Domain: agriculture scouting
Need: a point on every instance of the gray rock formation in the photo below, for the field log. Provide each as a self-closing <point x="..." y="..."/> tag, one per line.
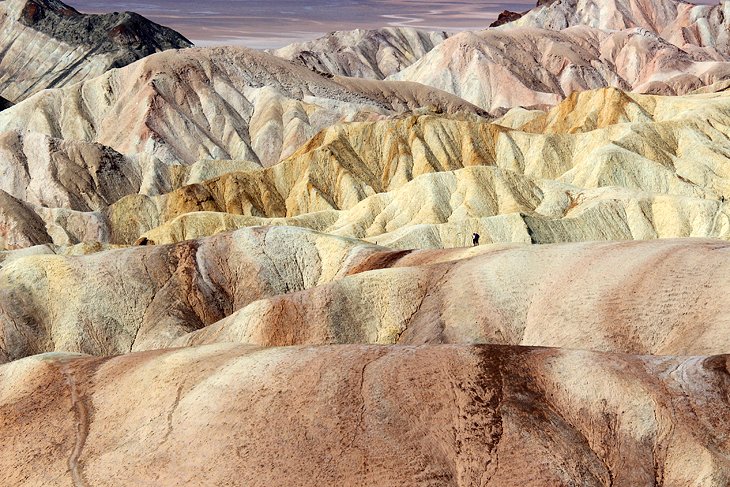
<point x="46" y="44"/>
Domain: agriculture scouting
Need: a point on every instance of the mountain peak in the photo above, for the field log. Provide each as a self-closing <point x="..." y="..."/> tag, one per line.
<point x="105" y="32"/>
<point x="48" y="44"/>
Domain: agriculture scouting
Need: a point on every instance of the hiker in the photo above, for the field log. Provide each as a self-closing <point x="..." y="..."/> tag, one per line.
<point x="475" y="239"/>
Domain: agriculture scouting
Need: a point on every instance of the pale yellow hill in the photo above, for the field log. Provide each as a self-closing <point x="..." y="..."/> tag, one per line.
<point x="601" y="165"/>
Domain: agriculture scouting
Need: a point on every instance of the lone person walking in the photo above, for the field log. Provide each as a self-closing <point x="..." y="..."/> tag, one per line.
<point x="475" y="239"/>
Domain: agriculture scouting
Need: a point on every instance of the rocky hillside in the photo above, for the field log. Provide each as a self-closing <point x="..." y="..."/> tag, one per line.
<point x="222" y="103"/>
<point x="542" y="67"/>
<point x="46" y="44"/>
<point x="560" y="47"/>
<point x="245" y="287"/>
<point x="602" y="165"/>
<point x="696" y="29"/>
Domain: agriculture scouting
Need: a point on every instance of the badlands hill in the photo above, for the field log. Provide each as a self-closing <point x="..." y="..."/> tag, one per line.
<point x="668" y="47"/>
<point x="215" y="103"/>
<point x="698" y="29"/>
<point x="542" y="67"/>
<point x="371" y="54"/>
<point x="45" y="44"/>
<point x="602" y="165"/>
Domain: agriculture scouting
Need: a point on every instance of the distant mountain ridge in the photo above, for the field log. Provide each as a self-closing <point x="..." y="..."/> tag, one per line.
<point x="106" y="32"/>
<point x="681" y="23"/>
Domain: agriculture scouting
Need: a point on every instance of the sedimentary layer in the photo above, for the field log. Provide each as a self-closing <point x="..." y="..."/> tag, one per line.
<point x="541" y="67"/>
<point x="371" y="54"/>
<point x="216" y="103"/>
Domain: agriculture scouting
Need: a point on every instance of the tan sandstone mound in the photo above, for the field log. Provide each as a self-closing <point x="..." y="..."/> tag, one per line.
<point x="599" y="296"/>
<point x="435" y="415"/>
<point x="146" y="296"/>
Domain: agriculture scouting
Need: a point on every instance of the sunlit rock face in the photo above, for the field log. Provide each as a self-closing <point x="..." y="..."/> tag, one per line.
<point x="529" y="67"/>
<point x="601" y="165"/>
<point x="246" y="287"/>
<point x="461" y="415"/>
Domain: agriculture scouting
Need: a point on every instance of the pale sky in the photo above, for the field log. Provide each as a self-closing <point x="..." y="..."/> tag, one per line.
<point x="274" y="23"/>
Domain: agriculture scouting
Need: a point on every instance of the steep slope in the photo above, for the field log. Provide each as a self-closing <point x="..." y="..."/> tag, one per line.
<point x="285" y="286"/>
<point x="45" y="44"/>
<point x="633" y="174"/>
<point x="371" y="54"/>
<point x="20" y="225"/>
<point x="222" y="103"/>
<point x="541" y="67"/>
<point x="461" y="416"/>
<point x="4" y="104"/>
